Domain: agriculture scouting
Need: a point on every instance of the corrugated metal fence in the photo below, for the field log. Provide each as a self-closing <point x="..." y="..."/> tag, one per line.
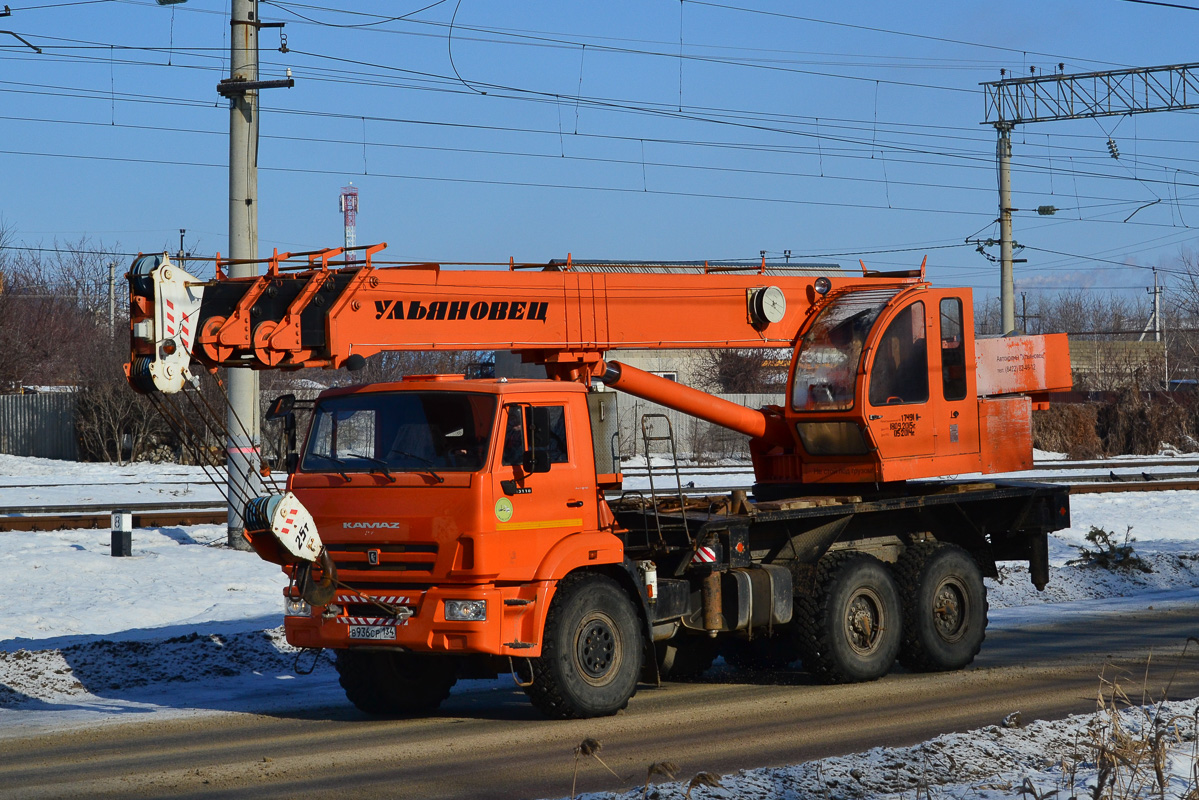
<point x="694" y="438"/>
<point x="41" y="425"/>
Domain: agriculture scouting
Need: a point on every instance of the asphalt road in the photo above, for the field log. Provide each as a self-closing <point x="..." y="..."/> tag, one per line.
<point x="491" y="744"/>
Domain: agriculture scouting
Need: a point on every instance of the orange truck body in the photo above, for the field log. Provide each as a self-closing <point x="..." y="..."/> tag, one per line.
<point x="476" y="520"/>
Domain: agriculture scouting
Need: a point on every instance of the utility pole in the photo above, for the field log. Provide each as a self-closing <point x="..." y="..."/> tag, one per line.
<point x="1157" y="309"/>
<point x="112" y="298"/>
<point x="1155" y="319"/>
<point x="1007" y="284"/>
<point x="242" y="87"/>
<point x="1024" y="317"/>
<point x="242" y="455"/>
<point x="1156" y="322"/>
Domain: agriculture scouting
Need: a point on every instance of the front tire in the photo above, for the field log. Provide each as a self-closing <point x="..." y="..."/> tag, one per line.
<point x="395" y="684"/>
<point x="591" y="652"/>
<point x="850" y="626"/>
<point x="945" y="607"/>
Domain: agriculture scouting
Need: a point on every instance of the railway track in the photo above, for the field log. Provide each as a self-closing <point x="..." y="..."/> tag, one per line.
<point x="145" y="515"/>
<point x="161" y="515"/>
<point x="1120" y="466"/>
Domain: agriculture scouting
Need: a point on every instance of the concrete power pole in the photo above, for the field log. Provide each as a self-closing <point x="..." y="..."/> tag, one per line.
<point x="242" y="420"/>
<point x="1007" y="285"/>
<point x="242" y="87"/>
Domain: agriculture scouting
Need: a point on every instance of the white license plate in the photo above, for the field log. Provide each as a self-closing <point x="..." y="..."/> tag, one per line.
<point x="372" y="632"/>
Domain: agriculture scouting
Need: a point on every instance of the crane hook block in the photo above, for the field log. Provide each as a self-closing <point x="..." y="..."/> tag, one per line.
<point x="288" y="522"/>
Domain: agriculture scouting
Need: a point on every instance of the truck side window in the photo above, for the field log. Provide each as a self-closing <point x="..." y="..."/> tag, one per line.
<point x="554" y="436"/>
<point x="953" y="351"/>
<point x="900" y="372"/>
<point x="549" y="433"/>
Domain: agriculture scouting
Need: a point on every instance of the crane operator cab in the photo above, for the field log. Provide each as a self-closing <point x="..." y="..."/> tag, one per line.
<point x="883" y="387"/>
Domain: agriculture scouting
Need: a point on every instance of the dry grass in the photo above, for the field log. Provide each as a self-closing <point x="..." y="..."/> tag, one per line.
<point x="1130" y="745"/>
<point x="1127" y="424"/>
<point x="1132" y="425"/>
<point x="1068" y="428"/>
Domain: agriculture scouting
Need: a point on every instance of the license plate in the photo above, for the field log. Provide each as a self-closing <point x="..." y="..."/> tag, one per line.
<point x="372" y="632"/>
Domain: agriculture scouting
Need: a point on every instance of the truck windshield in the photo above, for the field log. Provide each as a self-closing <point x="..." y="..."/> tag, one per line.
<point x="401" y="432"/>
<point x="827" y="362"/>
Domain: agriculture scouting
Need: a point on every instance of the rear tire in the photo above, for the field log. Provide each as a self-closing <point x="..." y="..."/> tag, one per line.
<point x="945" y="607"/>
<point x="395" y="684"/>
<point x="591" y="652"/>
<point x="850" y="626"/>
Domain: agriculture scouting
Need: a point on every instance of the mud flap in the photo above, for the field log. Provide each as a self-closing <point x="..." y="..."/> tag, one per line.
<point x="649" y="659"/>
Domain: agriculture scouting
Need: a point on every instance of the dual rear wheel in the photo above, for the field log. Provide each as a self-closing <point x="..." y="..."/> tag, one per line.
<point x="928" y="610"/>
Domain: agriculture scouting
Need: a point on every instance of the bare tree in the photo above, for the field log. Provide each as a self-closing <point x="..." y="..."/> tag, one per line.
<point x="744" y="371"/>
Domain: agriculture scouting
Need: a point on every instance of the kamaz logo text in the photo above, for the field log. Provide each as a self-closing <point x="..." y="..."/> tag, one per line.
<point x="462" y="309"/>
<point x="370" y="525"/>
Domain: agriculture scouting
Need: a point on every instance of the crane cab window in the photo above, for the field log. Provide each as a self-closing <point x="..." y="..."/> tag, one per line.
<point x="953" y="350"/>
<point x="826" y="361"/>
<point x="547" y="424"/>
<point x="899" y="375"/>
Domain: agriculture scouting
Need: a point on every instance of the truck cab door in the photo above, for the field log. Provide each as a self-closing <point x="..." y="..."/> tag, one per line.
<point x="956" y="420"/>
<point x="897" y="396"/>
<point x="543" y="481"/>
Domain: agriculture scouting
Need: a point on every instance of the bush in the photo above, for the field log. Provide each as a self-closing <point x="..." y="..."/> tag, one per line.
<point x="1131" y="424"/>
<point x="1110" y="554"/>
<point x="1068" y="428"/>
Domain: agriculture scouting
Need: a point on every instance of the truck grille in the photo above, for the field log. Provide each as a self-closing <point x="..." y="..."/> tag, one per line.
<point x="394" y="563"/>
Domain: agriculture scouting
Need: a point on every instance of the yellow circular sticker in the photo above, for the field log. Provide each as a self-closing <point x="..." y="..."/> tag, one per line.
<point x="503" y="509"/>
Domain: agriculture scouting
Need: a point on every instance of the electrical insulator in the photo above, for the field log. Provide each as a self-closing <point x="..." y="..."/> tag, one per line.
<point x="1046" y="211"/>
<point x="1112" y="149"/>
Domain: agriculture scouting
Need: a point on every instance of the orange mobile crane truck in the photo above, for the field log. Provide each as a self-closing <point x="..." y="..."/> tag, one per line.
<point x="472" y="527"/>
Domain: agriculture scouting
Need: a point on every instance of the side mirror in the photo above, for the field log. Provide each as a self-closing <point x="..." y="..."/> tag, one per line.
<point x="536" y="461"/>
<point x="281" y="409"/>
<point x="281" y="406"/>
<point x="537" y="425"/>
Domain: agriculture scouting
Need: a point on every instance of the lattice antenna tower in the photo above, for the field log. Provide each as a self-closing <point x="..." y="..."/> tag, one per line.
<point x="349" y="212"/>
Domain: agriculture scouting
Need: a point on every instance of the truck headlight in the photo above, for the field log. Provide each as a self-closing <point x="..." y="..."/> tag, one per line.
<point x="296" y="607"/>
<point x="466" y="610"/>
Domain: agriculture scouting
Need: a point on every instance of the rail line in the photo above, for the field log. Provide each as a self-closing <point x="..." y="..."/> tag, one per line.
<point x="163" y="515"/>
<point x="1044" y="466"/>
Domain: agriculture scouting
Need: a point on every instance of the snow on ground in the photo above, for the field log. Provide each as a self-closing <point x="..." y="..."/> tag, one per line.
<point x="1058" y="758"/>
<point x="47" y="482"/>
<point x="186" y="626"/>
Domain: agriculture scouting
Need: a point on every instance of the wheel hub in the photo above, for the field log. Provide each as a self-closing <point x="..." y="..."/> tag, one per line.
<point x="950" y="610"/>
<point x="596" y="648"/>
<point x="864" y="622"/>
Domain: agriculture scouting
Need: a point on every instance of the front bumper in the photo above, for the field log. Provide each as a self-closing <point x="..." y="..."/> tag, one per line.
<point x="515" y="615"/>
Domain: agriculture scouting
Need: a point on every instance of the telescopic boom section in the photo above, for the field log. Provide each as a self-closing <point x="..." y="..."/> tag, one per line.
<point x="324" y="313"/>
<point x="768" y="427"/>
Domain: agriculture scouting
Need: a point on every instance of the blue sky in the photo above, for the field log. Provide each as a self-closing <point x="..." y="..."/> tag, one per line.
<point x="835" y="131"/>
